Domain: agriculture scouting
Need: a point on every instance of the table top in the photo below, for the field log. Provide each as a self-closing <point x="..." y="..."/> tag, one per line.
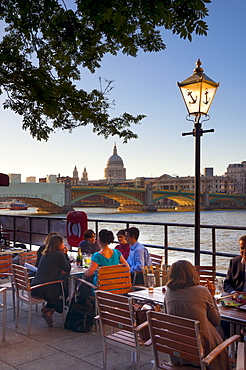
<point x="12" y="251"/>
<point x="157" y="296"/>
<point x="77" y="270"/>
<point x="231" y="314"/>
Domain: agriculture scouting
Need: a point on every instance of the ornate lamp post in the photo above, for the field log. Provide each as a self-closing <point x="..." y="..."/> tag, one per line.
<point x="198" y="92"/>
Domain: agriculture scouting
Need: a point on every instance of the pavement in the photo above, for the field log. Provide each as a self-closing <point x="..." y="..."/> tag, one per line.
<point x="55" y="347"/>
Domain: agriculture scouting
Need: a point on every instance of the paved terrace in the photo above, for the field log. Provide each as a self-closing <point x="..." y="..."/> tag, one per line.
<point x="58" y="348"/>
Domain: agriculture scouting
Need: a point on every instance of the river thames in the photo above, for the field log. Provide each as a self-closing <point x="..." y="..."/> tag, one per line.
<point x="226" y="240"/>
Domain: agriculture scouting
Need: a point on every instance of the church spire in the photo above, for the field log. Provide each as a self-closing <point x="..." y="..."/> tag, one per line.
<point x="115" y="149"/>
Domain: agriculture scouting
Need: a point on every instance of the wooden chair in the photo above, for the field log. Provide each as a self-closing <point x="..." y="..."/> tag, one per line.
<point x="23" y="293"/>
<point x="206" y="273"/>
<point x="181" y="338"/>
<point x="156" y="259"/>
<point x="117" y="312"/>
<point x="6" y="261"/>
<point x="160" y="272"/>
<point x="28" y="257"/>
<point x="241" y="356"/>
<point x="116" y="279"/>
<point x="4" y="306"/>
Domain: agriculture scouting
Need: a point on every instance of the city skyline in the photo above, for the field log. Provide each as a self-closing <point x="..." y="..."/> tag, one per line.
<point x="147" y="85"/>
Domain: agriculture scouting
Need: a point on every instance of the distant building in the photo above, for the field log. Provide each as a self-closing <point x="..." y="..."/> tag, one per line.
<point x="31" y="179"/>
<point x="115" y="167"/>
<point x="236" y="174"/>
<point x="84" y="177"/>
<point x="14" y="177"/>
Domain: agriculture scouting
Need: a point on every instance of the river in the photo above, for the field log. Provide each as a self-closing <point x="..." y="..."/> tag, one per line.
<point x="226" y="240"/>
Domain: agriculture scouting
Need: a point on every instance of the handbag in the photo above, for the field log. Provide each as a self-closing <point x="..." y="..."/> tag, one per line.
<point x="141" y="316"/>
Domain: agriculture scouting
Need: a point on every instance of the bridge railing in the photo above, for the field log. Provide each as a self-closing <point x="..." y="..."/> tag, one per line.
<point x="32" y="231"/>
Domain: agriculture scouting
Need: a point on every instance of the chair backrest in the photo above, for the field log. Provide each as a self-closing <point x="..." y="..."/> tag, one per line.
<point x="6" y="261"/>
<point x="206" y="273"/>
<point x="175" y="336"/>
<point x="156" y="259"/>
<point x="115" y="310"/>
<point x="29" y="257"/>
<point x="21" y="280"/>
<point x="160" y="272"/>
<point x="116" y="279"/>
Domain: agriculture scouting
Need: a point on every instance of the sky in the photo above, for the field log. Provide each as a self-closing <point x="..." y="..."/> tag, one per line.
<point x="148" y="85"/>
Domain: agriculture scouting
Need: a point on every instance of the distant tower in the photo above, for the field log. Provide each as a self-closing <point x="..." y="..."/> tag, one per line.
<point x="115" y="167"/>
<point x="84" y="178"/>
<point x="75" y="173"/>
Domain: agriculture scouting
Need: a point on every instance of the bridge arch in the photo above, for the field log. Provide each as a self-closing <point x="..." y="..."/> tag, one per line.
<point x="234" y="199"/>
<point x="180" y="199"/>
<point x="122" y="198"/>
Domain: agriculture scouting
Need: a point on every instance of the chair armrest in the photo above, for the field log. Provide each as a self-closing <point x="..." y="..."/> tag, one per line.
<point x="220" y="348"/>
<point x="2" y="290"/>
<point x="148" y="343"/>
<point x="241" y="359"/>
<point x="86" y="282"/>
<point x="5" y="274"/>
<point x="138" y="287"/>
<point x="44" y="284"/>
<point x="141" y="326"/>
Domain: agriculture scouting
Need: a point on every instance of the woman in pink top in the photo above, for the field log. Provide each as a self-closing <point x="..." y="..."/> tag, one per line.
<point x="123" y="247"/>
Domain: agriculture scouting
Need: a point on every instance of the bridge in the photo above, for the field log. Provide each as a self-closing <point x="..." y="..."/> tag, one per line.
<point x="47" y="197"/>
<point x="145" y="199"/>
<point x="61" y="197"/>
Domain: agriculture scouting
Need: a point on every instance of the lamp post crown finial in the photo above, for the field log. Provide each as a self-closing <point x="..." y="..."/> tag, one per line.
<point x="198" y="69"/>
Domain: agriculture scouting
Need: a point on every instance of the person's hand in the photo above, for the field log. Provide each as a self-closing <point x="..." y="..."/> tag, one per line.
<point x="65" y="250"/>
<point x="211" y="287"/>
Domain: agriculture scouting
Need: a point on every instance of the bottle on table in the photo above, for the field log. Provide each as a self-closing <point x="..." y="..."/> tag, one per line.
<point x="79" y="258"/>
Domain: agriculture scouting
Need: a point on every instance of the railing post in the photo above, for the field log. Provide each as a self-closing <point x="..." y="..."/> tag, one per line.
<point x="166" y="244"/>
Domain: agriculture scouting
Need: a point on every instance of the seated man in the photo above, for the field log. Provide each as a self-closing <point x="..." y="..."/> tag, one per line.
<point x="235" y="278"/>
<point x="139" y="255"/>
<point x="89" y="245"/>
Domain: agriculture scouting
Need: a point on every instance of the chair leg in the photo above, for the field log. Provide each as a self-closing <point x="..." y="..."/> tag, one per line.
<point x="17" y="313"/>
<point x="29" y="319"/>
<point x="4" y="315"/>
<point x="13" y="299"/>
<point x="104" y="344"/>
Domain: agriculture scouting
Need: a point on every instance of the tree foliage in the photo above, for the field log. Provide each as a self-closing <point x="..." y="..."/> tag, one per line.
<point x="46" y="43"/>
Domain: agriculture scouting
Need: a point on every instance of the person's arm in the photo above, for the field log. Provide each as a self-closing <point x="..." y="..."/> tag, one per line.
<point x="123" y="261"/>
<point x="64" y="261"/>
<point x="212" y="309"/>
<point x="138" y="260"/>
<point x="92" y="268"/>
<point x="229" y="285"/>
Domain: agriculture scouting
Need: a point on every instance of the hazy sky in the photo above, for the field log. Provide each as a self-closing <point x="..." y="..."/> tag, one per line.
<point x="147" y="85"/>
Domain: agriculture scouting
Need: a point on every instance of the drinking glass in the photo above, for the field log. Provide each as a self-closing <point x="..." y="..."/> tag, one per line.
<point x="151" y="282"/>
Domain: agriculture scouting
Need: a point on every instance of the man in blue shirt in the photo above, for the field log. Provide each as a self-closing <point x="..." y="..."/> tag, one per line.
<point x="139" y="255"/>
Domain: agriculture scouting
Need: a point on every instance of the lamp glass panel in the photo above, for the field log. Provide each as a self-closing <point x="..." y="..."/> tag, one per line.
<point x="191" y="95"/>
<point x="198" y="96"/>
<point x="207" y="95"/>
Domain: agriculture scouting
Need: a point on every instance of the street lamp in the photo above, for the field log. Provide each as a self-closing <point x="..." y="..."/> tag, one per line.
<point x="198" y="92"/>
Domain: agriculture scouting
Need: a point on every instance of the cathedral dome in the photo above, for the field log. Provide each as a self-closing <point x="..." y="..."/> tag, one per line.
<point x="115" y="159"/>
<point x="115" y="167"/>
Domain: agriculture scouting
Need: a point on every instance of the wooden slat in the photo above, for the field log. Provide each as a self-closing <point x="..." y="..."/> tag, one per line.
<point x="241" y="357"/>
<point x="177" y="345"/>
<point x="176" y="320"/>
<point x="183" y="355"/>
<point x="191" y="340"/>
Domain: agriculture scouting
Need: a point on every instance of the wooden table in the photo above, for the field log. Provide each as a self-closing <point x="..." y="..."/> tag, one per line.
<point x="157" y="296"/>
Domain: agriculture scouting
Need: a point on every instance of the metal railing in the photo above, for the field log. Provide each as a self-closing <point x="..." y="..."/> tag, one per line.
<point x="25" y="229"/>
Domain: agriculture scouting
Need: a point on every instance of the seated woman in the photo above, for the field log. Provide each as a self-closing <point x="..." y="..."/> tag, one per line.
<point x="53" y="263"/>
<point x="106" y="256"/>
<point x="123" y="247"/>
<point x="186" y="298"/>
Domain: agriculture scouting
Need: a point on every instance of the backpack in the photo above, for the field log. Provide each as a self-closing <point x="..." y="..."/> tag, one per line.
<point x="80" y="318"/>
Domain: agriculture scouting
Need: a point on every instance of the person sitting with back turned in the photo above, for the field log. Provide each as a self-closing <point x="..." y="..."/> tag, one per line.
<point x="89" y="245"/>
<point x="42" y="247"/>
<point x="235" y="278"/>
<point x="123" y="247"/>
<point x="185" y="297"/>
<point x="139" y="255"/>
<point x="53" y="263"/>
<point x="106" y="256"/>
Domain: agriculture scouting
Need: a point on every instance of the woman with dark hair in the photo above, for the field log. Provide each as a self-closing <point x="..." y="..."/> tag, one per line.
<point x="123" y="247"/>
<point x="53" y="263"/>
<point x="186" y="298"/>
<point x="106" y="256"/>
